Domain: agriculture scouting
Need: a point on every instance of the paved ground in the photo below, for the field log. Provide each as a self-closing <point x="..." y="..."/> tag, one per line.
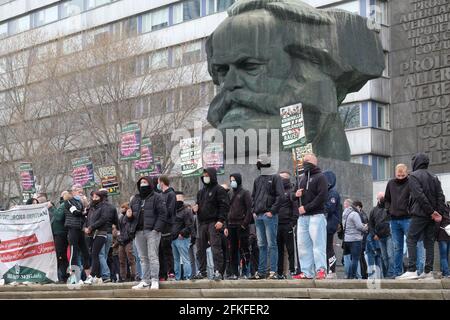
<point x="438" y="289"/>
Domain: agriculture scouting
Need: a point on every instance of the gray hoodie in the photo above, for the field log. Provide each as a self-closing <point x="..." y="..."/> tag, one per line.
<point x="352" y="225"/>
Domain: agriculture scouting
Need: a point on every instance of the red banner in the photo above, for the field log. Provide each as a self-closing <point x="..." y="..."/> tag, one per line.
<point x="18" y="243"/>
<point x="27" y="252"/>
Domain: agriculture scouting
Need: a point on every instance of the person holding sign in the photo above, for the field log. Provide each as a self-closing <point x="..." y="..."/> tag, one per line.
<point x="212" y="208"/>
<point x="311" y="196"/>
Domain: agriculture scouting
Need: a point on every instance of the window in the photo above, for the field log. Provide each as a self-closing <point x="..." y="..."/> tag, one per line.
<point x="177" y="13"/>
<point x="45" y="16"/>
<point x="47" y="51"/>
<point x="141" y="108"/>
<point x="71" y="8"/>
<point x="96" y="3"/>
<point x="20" y="24"/>
<point x="386" y="65"/>
<point x="155" y="20"/>
<point x="3" y="29"/>
<point x="379" y="11"/>
<point x="158" y="103"/>
<point x="159" y="60"/>
<point x="72" y="44"/>
<point x="213" y="6"/>
<point x="351" y="116"/>
<point x="3" y="65"/>
<point x="97" y="36"/>
<point x="187" y="54"/>
<point x="191" y="9"/>
<point x="382" y="116"/>
<point x="351" y="6"/>
<point x="223" y="5"/>
<point x="379" y="168"/>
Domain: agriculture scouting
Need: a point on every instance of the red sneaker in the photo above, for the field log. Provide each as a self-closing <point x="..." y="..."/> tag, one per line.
<point x="300" y="276"/>
<point x="162" y="279"/>
<point x="321" y="274"/>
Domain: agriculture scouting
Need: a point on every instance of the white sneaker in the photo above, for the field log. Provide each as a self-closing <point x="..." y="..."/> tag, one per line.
<point x="409" y="275"/>
<point x="89" y="280"/>
<point x="155" y="285"/>
<point x="331" y="275"/>
<point x="426" y="276"/>
<point x="141" y="285"/>
<point x="98" y="280"/>
<point x="2" y="282"/>
<point x="79" y="282"/>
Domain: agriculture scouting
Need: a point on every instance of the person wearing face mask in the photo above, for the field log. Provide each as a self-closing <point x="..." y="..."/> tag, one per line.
<point x="125" y="240"/>
<point x="147" y="216"/>
<point x="74" y="214"/>
<point x="310" y="196"/>
<point x="267" y="196"/>
<point x="380" y="230"/>
<point x="287" y="219"/>
<point x="166" y="263"/>
<point x="181" y="237"/>
<point x="212" y="208"/>
<point x="97" y="227"/>
<point x="239" y="219"/>
<point x="396" y="199"/>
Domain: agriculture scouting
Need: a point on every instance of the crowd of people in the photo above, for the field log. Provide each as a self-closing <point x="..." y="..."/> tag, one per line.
<point x="232" y="233"/>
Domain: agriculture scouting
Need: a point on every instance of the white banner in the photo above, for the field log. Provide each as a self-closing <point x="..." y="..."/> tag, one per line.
<point x="27" y="250"/>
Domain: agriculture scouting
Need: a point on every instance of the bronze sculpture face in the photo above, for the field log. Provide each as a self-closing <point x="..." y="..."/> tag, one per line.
<point x="268" y="54"/>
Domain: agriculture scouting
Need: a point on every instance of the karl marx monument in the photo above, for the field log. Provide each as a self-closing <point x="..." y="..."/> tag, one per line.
<point x="269" y="54"/>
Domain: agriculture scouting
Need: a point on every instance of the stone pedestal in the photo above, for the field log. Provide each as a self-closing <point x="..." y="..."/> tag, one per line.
<point x="354" y="180"/>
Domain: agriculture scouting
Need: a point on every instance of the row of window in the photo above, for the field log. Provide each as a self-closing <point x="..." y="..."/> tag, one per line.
<point x="365" y="114"/>
<point x="156" y="19"/>
<point x="374" y="9"/>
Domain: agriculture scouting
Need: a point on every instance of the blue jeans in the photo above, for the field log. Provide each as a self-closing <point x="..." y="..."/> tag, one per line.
<point x="444" y="250"/>
<point x="312" y="243"/>
<point x="355" y="255"/>
<point x="180" y="251"/>
<point x="387" y="254"/>
<point x="266" y="232"/>
<point x="138" y="261"/>
<point x="348" y="265"/>
<point x="373" y="253"/>
<point x="103" y="256"/>
<point x="399" y="230"/>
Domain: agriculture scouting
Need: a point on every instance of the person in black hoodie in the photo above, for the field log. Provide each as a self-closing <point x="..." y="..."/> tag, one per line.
<point x="267" y="197"/>
<point x="212" y="208"/>
<point x="334" y="216"/>
<point x="238" y="221"/>
<point x="97" y="226"/>
<point x="166" y="263"/>
<point x="182" y="229"/>
<point x="74" y="215"/>
<point x="125" y="240"/>
<point x="287" y="220"/>
<point x="396" y="199"/>
<point x="310" y="196"/>
<point x="147" y="216"/>
<point x="380" y="230"/>
<point x="427" y="205"/>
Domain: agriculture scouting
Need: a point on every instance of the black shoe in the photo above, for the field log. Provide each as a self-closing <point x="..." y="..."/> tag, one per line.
<point x="199" y="276"/>
<point x="233" y="277"/>
<point x="217" y="276"/>
<point x="106" y="280"/>
<point x="258" y="276"/>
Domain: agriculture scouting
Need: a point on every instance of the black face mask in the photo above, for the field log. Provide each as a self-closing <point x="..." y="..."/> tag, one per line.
<point x="381" y="203"/>
<point x="95" y="202"/>
<point x="259" y="165"/>
<point x="180" y="204"/>
<point x="287" y="183"/>
<point x="145" y="191"/>
<point x="308" y="166"/>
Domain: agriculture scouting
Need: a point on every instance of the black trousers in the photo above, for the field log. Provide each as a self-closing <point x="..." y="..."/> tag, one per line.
<point x="421" y="228"/>
<point x="254" y="250"/>
<point x="208" y="233"/>
<point x="285" y="237"/>
<point x="97" y="245"/>
<point x="239" y="247"/>
<point x="331" y="255"/>
<point x="61" y="244"/>
<point x="165" y="257"/>
<point x="77" y="243"/>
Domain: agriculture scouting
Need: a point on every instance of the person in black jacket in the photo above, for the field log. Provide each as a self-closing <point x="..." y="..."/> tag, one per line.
<point x="396" y="198"/>
<point x="212" y="208"/>
<point x="125" y="240"/>
<point x="112" y="219"/>
<point x="310" y="195"/>
<point x="238" y="221"/>
<point x="287" y="220"/>
<point x="380" y="230"/>
<point x="74" y="215"/>
<point x="97" y="226"/>
<point x="427" y="204"/>
<point x="267" y="197"/>
<point x="182" y="229"/>
<point x="334" y="216"/>
<point x="147" y="216"/>
<point x="166" y="264"/>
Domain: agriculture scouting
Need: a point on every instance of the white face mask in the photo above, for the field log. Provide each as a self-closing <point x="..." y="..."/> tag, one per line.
<point x="206" y="180"/>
